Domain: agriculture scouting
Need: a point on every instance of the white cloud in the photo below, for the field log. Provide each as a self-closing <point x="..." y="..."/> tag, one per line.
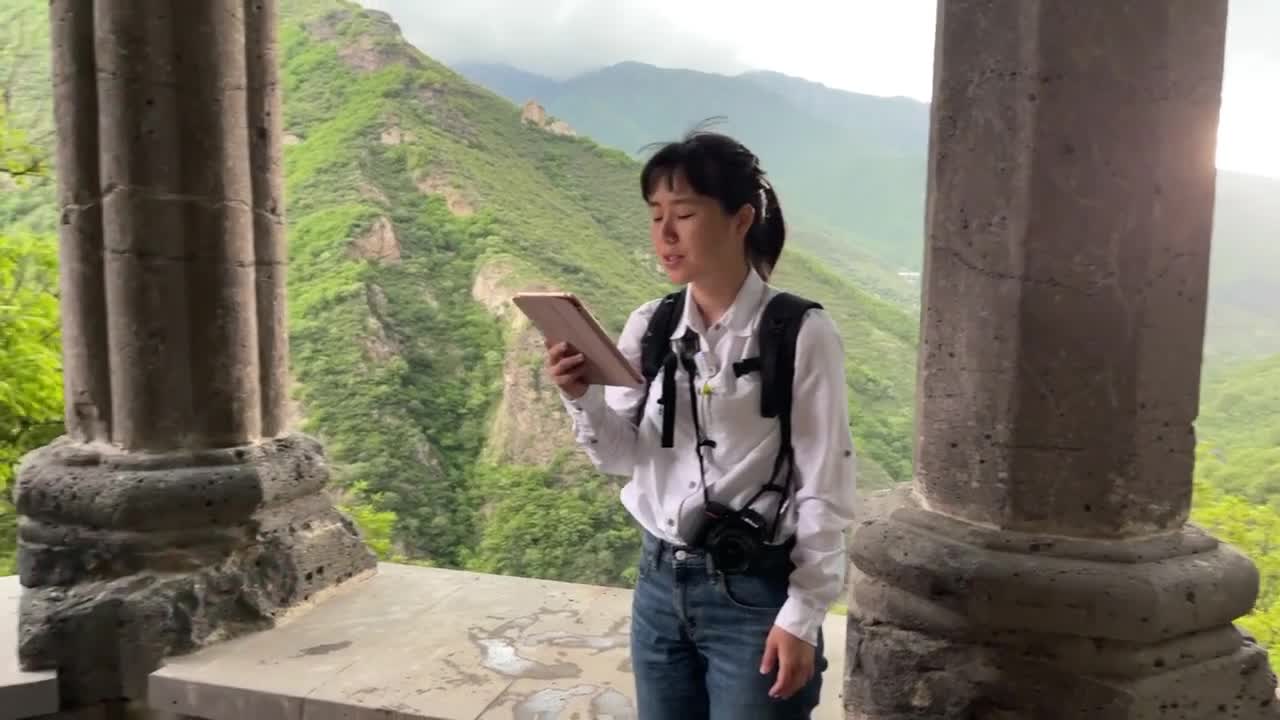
<point x="882" y="47"/>
<point x="557" y="38"/>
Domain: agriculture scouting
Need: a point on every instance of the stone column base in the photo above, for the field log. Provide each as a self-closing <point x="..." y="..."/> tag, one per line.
<point x="130" y="557"/>
<point x="948" y="620"/>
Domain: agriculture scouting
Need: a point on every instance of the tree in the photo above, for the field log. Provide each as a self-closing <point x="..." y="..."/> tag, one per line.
<point x="19" y="158"/>
<point x="21" y="155"/>
<point x="30" y="363"/>
<point x="1253" y="529"/>
<point x="30" y="342"/>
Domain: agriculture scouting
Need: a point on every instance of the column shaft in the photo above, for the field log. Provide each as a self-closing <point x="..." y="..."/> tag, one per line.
<point x="178" y="227"/>
<point x="266" y="139"/>
<point x="179" y="509"/>
<point x="1071" y="197"/>
<point x="86" y="377"/>
<point x="1042" y="566"/>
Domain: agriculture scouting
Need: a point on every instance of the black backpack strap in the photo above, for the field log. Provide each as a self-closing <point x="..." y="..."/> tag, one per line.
<point x="742" y="367"/>
<point x="779" y="328"/>
<point x="655" y="347"/>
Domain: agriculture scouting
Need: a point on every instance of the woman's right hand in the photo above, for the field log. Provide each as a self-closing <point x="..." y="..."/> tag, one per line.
<point x="567" y="366"/>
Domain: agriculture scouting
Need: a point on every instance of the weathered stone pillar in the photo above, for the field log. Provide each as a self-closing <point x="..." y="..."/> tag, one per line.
<point x="1043" y="567"/>
<point x="177" y="509"/>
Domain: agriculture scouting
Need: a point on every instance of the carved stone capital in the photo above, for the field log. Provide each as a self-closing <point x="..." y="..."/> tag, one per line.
<point x="130" y="557"/>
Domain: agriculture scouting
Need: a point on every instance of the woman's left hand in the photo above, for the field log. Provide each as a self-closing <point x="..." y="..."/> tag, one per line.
<point x="794" y="659"/>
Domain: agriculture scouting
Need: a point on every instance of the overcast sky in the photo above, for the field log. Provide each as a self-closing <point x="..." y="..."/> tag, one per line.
<point x="881" y="47"/>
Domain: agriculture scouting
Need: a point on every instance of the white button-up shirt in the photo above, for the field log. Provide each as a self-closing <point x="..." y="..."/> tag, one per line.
<point x="664" y="493"/>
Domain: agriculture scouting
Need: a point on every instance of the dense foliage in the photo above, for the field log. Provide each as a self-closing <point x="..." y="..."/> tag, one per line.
<point x="1238" y="475"/>
<point x="30" y="380"/>
<point x="30" y="377"/>
<point x="851" y="172"/>
<point x="849" y="168"/>
<point x="390" y="144"/>
<point x="406" y="187"/>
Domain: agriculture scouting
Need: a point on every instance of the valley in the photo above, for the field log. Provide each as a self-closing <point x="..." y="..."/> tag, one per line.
<point x="852" y="170"/>
<point x="421" y="197"/>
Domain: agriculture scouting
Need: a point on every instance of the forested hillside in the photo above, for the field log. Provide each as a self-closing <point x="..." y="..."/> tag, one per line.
<point x="1238" y="474"/>
<point x="417" y="204"/>
<point x="30" y="380"/>
<point x="852" y="167"/>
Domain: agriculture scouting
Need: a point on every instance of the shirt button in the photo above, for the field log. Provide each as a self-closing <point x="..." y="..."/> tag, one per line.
<point x="681" y="555"/>
<point x="693" y="485"/>
<point x="671" y="523"/>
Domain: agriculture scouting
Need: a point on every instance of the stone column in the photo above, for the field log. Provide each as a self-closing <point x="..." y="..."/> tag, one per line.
<point x="177" y="509"/>
<point x="1043" y="566"/>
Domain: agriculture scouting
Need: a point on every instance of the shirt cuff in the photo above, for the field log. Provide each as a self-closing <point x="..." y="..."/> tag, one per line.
<point x="801" y="619"/>
<point x="590" y="403"/>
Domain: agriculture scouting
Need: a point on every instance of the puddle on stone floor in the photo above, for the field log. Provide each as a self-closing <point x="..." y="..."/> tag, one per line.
<point x="612" y="705"/>
<point x="500" y="646"/>
<point x="551" y="704"/>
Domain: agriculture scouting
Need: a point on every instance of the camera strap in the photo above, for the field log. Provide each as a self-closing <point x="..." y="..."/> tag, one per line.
<point x="785" y="451"/>
<point x="701" y="440"/>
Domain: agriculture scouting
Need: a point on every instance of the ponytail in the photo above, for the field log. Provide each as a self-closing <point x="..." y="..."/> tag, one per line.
<point x="718" y="166"/>
<point x="767" y="234"/>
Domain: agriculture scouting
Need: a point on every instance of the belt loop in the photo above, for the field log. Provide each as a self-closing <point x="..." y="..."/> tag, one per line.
<point x="650" y="551"/>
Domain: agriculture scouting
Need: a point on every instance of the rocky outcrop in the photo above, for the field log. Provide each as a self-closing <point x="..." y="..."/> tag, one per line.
<point x="376" y="44"/>
<point x="379" y="243"/>
<point x="529" y="425"/>
<point x="394" y="135"/>
<point x="491" y="289"/>
<point x="379" y="344"/>
<point x="536" y="115"/>
<point x="455" y="200"/>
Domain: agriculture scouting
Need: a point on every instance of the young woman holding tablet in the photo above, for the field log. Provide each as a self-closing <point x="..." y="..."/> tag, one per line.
<point x="712" y="637"/>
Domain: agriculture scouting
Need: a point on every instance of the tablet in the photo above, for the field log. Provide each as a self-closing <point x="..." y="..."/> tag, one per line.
<point x="561" y="317"/>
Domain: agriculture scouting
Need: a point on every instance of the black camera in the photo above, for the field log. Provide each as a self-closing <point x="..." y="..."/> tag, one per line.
<point x="733" y="538"/>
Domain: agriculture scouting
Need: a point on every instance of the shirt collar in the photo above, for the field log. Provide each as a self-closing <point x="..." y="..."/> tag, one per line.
<point x="739" y="319"/>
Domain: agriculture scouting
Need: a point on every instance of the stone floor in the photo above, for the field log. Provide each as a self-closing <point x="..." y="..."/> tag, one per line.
<point x="426" y="643"/>
<point x="22" y="694"/>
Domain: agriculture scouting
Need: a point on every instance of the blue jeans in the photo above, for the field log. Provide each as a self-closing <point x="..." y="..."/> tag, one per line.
<point x="697" y="639"/>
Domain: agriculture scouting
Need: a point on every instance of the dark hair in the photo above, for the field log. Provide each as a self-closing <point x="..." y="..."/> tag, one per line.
<point x="720" y="167"/>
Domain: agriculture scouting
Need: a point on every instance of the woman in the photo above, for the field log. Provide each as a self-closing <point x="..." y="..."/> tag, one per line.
<point x="707" y="642"/>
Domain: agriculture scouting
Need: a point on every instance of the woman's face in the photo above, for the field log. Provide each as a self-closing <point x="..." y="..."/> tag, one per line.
<point x="692" y="236"/>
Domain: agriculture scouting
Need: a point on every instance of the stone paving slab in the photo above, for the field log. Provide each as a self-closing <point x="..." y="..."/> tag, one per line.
<point x="22" y="694"/>
<point x="415" y="642"/>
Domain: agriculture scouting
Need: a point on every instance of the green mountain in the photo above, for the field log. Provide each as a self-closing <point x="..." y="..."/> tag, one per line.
<point x="1239" y="430"/>
<point x="851" y="170"/>
<point x="418" y="203"/>
<point x="847" y="167"/>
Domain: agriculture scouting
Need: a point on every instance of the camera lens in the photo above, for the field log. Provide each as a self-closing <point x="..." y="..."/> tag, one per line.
<point x="733" y="552"/>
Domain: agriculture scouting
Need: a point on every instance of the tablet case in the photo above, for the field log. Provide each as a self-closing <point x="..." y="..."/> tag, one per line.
<point x="560" y="317"/>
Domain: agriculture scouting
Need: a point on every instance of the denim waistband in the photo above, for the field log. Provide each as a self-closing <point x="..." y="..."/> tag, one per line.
<point x="774" y="559"/>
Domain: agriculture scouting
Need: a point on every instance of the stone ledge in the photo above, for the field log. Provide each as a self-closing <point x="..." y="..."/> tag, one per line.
<point x="415" y="642"/>
<point x="22" y="694"/>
